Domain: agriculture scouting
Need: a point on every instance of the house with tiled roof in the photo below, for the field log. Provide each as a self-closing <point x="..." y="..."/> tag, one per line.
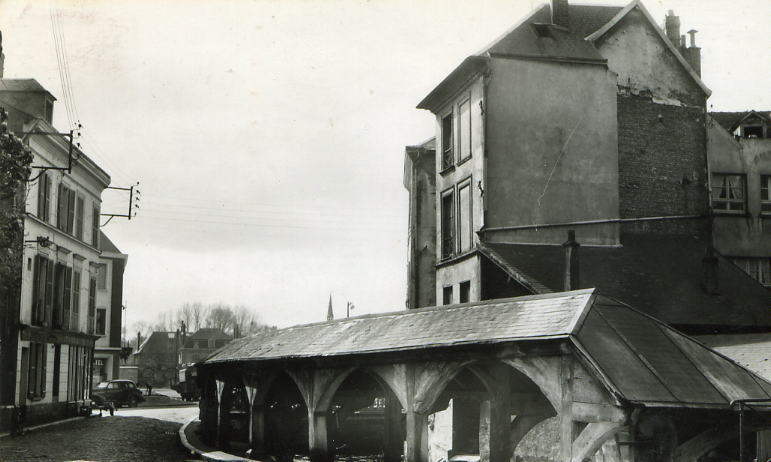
<point x="588" y="119"/>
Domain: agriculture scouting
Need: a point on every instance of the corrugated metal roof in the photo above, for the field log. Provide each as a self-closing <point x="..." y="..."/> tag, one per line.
<point x="488" y="322"/>
<point x="641" y="359"/>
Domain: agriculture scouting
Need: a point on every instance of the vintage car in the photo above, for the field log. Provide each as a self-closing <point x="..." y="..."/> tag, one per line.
<point x="116" y="392"/>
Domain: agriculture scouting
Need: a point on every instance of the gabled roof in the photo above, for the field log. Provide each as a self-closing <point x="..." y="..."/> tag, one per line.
<point x="534" y="317"/>
<point x="731" y="120"/>
<point x="588" y="23"/>
<point x="524" y="41"/>
<point x="659" y="275"/>
<point x="637" y="4"/>
<point x="23" y="85"/>
<point x="638" y="358"/>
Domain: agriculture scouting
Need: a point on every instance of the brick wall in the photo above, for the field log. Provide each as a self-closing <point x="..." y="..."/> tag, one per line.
<point x="662" y="164"/>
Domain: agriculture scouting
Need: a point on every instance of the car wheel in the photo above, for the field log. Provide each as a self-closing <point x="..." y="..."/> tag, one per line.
<point x="132" y="402"/>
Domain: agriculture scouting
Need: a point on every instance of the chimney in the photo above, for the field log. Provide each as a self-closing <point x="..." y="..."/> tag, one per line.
<point x="672" y="28"/>
<point x="559" y="13"/>
<point x="571" y="261"/>
<point x="692" y="54"/>
<point x="139" y="340"/>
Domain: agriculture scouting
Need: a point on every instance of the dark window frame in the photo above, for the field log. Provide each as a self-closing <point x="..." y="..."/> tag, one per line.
<point x="447" y="295"/>
<point x="448" y="224"/>
<point x="464" y="292"/>
<point x="44" y="197"/>
<point x="447" y="158"/>
<point x="101" y="321"/>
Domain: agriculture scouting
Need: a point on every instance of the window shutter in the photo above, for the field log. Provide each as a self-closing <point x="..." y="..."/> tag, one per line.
<point x="41" y="196"/>
<point x="61" y="208"/>
<point x="67" y="298"/>
<point x="76" y="301"/>
<point x="95" y="227"/>
<point x="49" y="292"/>
<point x="36" y="290"/>
<point x="79" y="218"/>
<point x="42" y="367"/>
<point x="70" y="210"/>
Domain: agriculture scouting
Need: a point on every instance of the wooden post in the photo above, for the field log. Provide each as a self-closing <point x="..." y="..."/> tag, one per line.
<point x="223" y="414"/>
<point x="417" y="437"/>
<point x="567" y="427"/>
<point x="499" y="425"/>
<point x="257" y="429"/>
<point x="317" y="436"/>
<point x="393" y="429"/>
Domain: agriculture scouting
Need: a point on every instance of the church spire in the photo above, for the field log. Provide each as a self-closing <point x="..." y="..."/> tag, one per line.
<point x="330" y="313"/>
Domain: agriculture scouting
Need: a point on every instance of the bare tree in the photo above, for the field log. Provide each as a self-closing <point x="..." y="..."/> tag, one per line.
<point x="198" y="314"/>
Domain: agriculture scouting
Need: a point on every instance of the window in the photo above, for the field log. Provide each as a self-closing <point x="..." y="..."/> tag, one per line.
<point x="464" y="129"/>
<point x="65" y="212"/>
<point x="42" y="291"/>
<point x="75" y="321"/>
<point x="448" y="224"/>
<point x="62" y="297"/>
<point x="44" y="197"/>
<point x="465" y="291"/>
<point x="765" y="194"/>
<point x="101" y="321"/>
<point x="448" y="159"/>
<point x="447" y="295"/>
<point x="79" y="218"/>
<point x="36" y="375"/>
<point x="101" y="277"/>
<point x="91" y="304"/>
<point x="464" y="217"/>
<point x="95" y="226"/>
<point x="728" y="193"/>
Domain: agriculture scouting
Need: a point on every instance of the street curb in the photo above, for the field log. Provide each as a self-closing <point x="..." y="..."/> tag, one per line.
<point x="213" y="456"/>
<point x="47" y="424"/>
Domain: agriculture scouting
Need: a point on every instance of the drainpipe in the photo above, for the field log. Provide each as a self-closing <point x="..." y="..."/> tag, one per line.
<point x="571" y="261"/>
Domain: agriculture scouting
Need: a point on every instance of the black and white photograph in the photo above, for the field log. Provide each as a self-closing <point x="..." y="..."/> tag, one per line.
<point x="385" y="231"/>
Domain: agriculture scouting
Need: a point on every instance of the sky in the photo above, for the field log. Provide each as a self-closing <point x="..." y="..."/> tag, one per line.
<point x="268" y="136"/>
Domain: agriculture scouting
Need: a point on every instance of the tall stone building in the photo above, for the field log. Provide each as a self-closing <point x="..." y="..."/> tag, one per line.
<point x="572" y="153"/>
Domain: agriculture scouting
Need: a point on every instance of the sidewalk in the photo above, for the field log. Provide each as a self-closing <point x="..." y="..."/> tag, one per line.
<point x="188" y="435"/>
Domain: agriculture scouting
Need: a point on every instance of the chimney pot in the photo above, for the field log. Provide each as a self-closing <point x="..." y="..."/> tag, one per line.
<point x="560" y="15"/>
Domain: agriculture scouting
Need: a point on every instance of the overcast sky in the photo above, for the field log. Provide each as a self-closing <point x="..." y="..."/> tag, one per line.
<point x="268" y="136"/>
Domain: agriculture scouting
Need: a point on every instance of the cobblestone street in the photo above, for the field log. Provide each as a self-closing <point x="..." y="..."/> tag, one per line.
<point x="136" y="435"/>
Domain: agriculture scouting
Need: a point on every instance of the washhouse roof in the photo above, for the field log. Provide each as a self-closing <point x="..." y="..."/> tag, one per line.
<point x="638" y="358"/>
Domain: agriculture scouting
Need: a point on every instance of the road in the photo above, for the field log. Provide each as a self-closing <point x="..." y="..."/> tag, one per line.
<point x="132" y="435"/>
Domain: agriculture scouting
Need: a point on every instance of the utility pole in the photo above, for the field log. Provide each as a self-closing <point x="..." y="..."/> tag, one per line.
<point x="349" y="306"/>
